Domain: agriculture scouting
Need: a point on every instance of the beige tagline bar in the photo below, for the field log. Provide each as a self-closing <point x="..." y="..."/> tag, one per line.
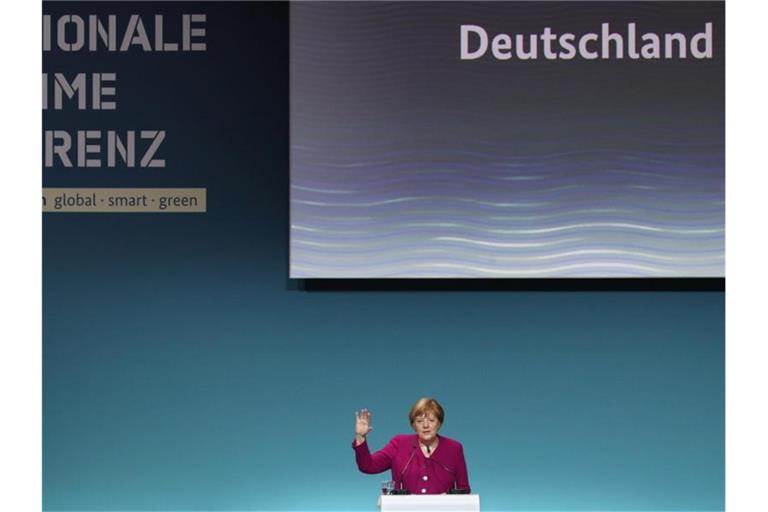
<point x="125" y="200"/>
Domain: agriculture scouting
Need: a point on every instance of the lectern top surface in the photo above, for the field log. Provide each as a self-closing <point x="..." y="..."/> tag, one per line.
<point x="430" y="503"/>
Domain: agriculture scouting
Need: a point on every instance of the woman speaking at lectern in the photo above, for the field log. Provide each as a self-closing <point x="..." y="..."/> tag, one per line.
<point x="421" y="463"/>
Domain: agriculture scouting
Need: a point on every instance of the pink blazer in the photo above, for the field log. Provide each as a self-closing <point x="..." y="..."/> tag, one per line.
<point x="411" y="470"/>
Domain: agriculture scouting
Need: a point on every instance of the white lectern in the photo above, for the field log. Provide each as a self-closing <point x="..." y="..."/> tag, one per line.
<point x="430" y="503"/>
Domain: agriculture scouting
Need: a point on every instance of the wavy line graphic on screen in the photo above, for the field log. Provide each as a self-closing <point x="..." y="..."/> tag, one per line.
<point x="406" y="182"/>
<point x="584" y="226"/>
<point x="403" y="241"/>
<point x="458" y="215"/>
<point x="498" y="203"/>
<point x="597" y="258"/>
<point x="428" y="268"/>
<point x="615" y="214"/>
<point x="534" y="258"/>
<point x="441" y="269"/>
<point x="599" y="254"/>
<point x="528" y="253"/>
<point x="446" y="191"/>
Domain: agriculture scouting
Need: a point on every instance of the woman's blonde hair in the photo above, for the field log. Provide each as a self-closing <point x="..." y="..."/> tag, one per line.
<point x="426" y="406"/>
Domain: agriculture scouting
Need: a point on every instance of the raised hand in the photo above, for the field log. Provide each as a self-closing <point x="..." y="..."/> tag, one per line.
<point x="362" y="425"/>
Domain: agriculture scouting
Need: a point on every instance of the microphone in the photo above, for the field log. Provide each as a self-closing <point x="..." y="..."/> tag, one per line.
<point x="455" y="489"/>
<point x="408" y="463"/>
<point x="413" y="452"/>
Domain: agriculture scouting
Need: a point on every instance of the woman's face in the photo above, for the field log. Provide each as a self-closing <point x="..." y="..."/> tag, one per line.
<point x="426" y="426"/>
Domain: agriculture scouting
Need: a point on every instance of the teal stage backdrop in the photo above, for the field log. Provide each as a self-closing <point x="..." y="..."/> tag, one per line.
<point x="183" y="370"/>
<point x="213" y="387"/>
